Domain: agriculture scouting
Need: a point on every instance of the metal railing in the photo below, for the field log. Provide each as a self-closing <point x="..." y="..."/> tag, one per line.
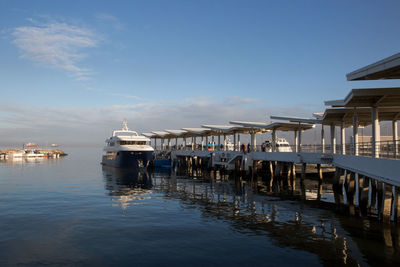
<point x="384" y="149"/>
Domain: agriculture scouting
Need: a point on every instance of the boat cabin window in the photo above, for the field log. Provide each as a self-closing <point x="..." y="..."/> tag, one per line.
<point x="122" y="143"/>
<point x="282" y="145"/>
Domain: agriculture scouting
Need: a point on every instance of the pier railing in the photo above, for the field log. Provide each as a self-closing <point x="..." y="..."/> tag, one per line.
<point x="384" y="149"/>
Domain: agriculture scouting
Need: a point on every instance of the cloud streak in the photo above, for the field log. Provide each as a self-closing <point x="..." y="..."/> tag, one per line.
<point x="57" y="45"/>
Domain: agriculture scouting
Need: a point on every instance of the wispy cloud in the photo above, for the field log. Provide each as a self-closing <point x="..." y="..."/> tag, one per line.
<point x="237" y="100"/>
<point x="112" y="20"/>
<point x="127" y="96"/>
<point x="57" y="45"/>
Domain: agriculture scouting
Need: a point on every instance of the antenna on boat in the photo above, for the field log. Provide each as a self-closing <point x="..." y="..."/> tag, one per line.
<point x="125" y="125"/>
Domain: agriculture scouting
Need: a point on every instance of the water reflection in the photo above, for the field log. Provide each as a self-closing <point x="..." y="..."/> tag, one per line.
<point x="300" y="216"/>
<point x="127" y="186"/>
<point x="20" y="161"/>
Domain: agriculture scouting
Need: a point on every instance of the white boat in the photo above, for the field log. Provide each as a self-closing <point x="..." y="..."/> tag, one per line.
<point x="15" y="154"/>
<point x="32" y="154"/>
<point x="282" y="145"/>
<point x="126" y="149"/>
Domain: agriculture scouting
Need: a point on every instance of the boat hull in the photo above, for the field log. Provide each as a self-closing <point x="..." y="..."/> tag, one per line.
<point x="128" y="159"/>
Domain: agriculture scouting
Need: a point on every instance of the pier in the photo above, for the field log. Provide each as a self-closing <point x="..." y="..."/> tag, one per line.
<point x="365" y="173"/>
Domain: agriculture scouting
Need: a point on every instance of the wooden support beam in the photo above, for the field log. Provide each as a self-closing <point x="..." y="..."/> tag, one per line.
<point x="319" y="170"/>
<point x="303" y="171"/>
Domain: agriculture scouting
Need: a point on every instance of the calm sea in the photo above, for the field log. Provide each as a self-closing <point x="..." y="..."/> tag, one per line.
<point x="71" y="211"/>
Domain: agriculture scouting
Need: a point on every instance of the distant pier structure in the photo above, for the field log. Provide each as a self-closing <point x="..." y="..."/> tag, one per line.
<point x="366" y="174"/>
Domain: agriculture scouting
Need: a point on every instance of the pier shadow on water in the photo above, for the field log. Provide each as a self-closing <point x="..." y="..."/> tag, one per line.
<point x="300" y="214"/>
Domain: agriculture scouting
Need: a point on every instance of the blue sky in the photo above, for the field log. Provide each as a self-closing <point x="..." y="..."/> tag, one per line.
<point x="72" y="69"/>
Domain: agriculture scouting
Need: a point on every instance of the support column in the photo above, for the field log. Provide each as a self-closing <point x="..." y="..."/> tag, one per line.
<point x="155" y="143"/>
<point x="224" y="142"/>
<point x="395" y="137"/>
<point x="343" y="138"/>
<point x="253" y="142"/>
<point x="169" y="143"/>
<point x="299" y="143"/>
<point x="162" y="143"/>
<point x="202" y="143"/>
<point x="376" y="135"/>
<point x="184" y="143"/>
<point x="295" y="141"/>
<point x="355" y="134"/>
<point x="238" y="142"/>
<point x="212" y="143"/>
<point x="234" y="142"/>
<point x="176" y="143"/>
<point x="303" y="170"/>
<point x="394" y="204"/>
<point x="219" y="142"/>
<point x="273" y="140"/>
<point x="322" y="139"/>
<point x="357" y="190"/>
<point x="319" y="170"/>
<point x="333" y="139"/>
<point x="386" y="203"/>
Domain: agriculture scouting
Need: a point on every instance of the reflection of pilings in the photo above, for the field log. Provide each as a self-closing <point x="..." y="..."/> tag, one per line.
<point x="248" y="211"/>
<point x="365" y="196"/>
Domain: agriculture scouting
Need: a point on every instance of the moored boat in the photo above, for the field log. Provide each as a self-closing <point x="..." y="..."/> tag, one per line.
<point x="127" y="149"/>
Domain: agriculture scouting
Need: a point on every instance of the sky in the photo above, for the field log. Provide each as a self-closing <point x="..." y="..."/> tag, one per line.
<point x="71" y="71"/>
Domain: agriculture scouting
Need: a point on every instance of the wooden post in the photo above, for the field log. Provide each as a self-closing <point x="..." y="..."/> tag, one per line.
<point x="303" y="171"/>
<point x="289" y="174"/>
<point x="386" y="202"/>
<point x="357" y="190"/>
<point x="271" y="169"/>
<point x="319" y="170"/>
<point x="394" y="204"/>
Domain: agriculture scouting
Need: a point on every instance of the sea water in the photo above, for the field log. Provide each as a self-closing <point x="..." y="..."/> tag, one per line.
<point x="73" y="211"/>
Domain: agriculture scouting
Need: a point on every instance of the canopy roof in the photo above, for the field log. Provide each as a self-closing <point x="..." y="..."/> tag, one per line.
<point x="220" y="129"/>
<point x="177" y="133"/>
<point x="250" y="126"/>
<point x="336" y="116"/>
<point x="197" y="131"/>
<point x="161" y="134"/>
<point x="296" y="119"/>
<point x="288" y="126"/>
<point x="388" y="68"/>
<point x="149" y="135"/>
<point x="372" y="97"/>
<point x="231" y="129"/>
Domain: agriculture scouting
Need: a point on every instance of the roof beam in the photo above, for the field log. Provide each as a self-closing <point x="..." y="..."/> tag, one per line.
<point x="388" y="68"/>
<point x="296" y="119"/>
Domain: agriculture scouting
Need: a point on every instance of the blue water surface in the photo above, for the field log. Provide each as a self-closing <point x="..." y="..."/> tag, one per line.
<point x="71" y="211"/>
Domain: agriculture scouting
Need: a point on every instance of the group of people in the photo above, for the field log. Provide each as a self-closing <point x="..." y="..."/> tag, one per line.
<point x="265" y="146"/>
